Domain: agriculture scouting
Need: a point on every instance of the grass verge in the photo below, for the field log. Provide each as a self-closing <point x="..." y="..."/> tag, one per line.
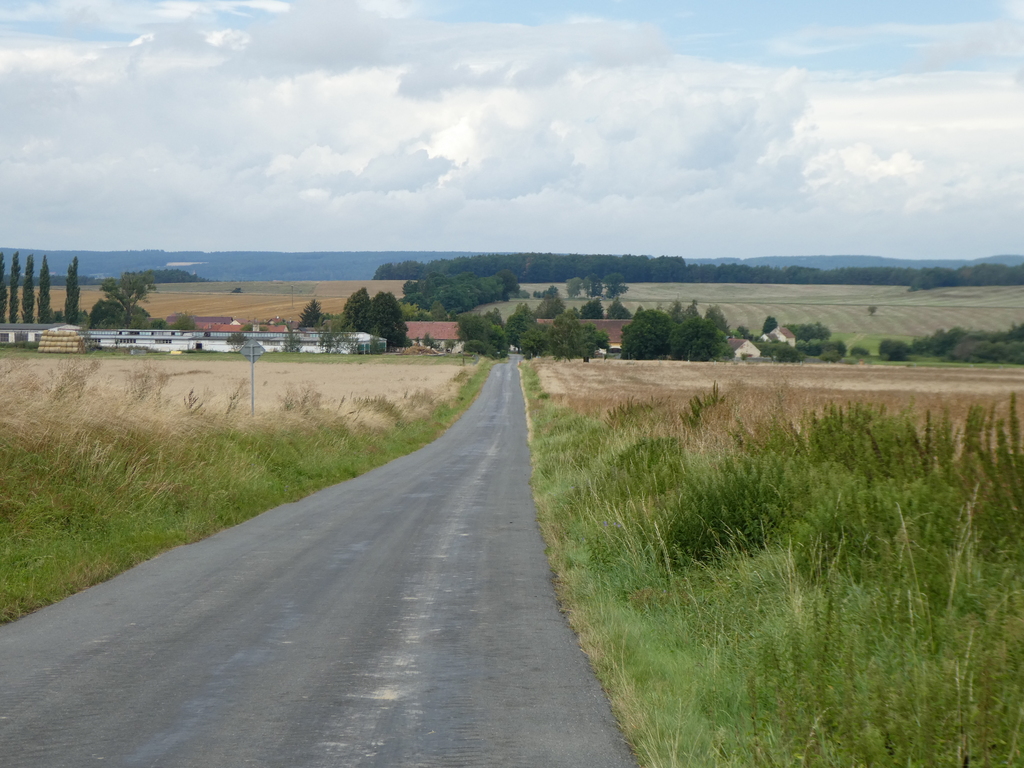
<point x="94" y="484"/>
<point x="842" y="589"/>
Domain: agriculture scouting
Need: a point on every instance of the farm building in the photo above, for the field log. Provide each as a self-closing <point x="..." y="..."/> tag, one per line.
<point x="440" y="331"/>
<point x="167" y="340"/>
<point x="782" y="334"/>
<point x="12" y="333"/>
<point x="742" y="348"/>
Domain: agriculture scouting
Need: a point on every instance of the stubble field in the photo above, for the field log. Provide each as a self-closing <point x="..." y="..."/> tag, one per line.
<point x="257" y="301"/>
<point x="593" y="388"/>
<point x="220" y="384"/>
<point x="843" y="308"/>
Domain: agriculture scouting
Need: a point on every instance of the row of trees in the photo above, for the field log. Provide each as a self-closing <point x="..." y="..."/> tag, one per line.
<point x="558" y="268"/>
<point x="20" y="303"/>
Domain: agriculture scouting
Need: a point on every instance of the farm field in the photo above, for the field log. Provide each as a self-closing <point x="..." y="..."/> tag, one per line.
<point x="772" y="563"/>
<point x="217" y="380"/>
<point x="594" y="387"/>
<point x="843" y="308"/>
<point x="258" y="300"/>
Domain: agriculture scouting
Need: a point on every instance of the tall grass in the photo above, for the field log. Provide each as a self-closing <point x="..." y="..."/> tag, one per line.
<point x="843" y="588"/>
<point x="95" y="481"/>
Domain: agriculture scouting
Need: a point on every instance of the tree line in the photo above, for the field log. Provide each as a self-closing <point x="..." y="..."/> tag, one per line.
<point x="558" y="268"/>
<point x="20" y="302"/>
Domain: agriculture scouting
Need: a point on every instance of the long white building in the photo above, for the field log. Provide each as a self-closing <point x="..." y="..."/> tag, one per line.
<point x="167" y="340"/>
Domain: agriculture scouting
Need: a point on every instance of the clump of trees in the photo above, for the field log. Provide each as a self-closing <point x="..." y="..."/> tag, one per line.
<point x="681" y="333"/>
<point x="965" y="346"/>
<point x="381" y="316"/>
<point x="459" y="293"/>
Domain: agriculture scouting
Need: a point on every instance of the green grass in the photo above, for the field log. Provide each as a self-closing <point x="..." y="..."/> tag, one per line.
<point x="90" y="489"/>
<point x="845" y="591"/>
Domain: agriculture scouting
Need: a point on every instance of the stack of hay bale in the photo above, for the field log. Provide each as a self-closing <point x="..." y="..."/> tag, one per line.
<point x="61" y="341"/>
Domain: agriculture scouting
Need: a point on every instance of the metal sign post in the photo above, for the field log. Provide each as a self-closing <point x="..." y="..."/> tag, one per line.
<point x="252" y="350"/>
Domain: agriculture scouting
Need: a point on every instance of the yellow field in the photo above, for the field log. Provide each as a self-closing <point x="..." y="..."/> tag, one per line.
<point x="787" y="390"/>
<point x="219" y="384"/>
<point x="258" y="301"/>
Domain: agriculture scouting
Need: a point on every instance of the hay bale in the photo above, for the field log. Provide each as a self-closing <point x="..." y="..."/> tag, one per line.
<point x="61" y="342"/>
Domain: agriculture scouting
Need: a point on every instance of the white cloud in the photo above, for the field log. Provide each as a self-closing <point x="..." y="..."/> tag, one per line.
<point x="330" y="125"/>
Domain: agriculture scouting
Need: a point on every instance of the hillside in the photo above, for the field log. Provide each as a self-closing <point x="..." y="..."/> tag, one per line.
<point x="843" y="308"/>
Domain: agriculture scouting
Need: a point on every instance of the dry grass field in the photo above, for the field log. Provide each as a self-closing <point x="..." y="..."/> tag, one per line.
<point x="257" y="301"/>
<point x="358" y="389"/>
<point x="843" y="308"/>
<point x="759" y="390"/>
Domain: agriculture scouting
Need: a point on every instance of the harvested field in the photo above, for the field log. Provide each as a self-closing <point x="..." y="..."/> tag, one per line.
<point x="790" y="389"/>
<point x="843" y="308"/>
<point x="259" y="301"/>
<point x="356" y="388"/>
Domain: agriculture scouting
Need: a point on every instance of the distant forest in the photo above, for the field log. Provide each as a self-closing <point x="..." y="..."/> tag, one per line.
<point x="159" y="276"/>
<point x="557" y="268"/>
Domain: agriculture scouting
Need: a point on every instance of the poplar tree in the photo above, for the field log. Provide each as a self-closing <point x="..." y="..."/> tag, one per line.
<point x="28" y="291"/>
<point x="14" y="304"/>
<point x="45" y="311"/>
<point x="3" y="291"/>
<point x="71" y="309"/>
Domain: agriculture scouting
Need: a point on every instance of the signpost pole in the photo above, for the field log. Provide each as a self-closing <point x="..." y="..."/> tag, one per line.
<point x="252" y="350"/>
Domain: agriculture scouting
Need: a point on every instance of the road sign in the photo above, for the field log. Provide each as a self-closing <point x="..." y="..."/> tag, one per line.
<point x="252" y="350"/>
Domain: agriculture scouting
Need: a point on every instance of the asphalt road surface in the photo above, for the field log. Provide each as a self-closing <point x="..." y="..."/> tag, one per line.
<point x="404" y="618"/>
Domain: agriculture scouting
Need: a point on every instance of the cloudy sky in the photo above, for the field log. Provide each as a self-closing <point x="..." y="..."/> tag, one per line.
<point x="690" y="127"/>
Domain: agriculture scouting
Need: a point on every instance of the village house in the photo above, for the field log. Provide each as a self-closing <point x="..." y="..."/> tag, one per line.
<point x="781" y="333"/>
<point x="743" y="348"/>
<point x="443" y="332"/>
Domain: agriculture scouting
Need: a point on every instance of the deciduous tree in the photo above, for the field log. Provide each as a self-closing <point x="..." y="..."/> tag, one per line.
<point x="129" y="292"/>
<point x="518" y="323"/>
<point x="647" y="337"/>
<point x="617" y="311"/>
<point x="614" y="285"/>
<point x="592" y="310"/>
<point x="565" y="337"/>
<point x="357" y="311"/>
<point x="550" y="308"/>
<point x="385" y="319"/>
<point x="715" y="314"/>
<point x="697" y="340"/>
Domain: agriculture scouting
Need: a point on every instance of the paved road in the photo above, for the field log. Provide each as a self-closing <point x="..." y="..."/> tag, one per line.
<point x="404" y="618"/>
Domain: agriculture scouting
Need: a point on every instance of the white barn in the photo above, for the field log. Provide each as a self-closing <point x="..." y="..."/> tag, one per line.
<point x="167" y="340"/>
